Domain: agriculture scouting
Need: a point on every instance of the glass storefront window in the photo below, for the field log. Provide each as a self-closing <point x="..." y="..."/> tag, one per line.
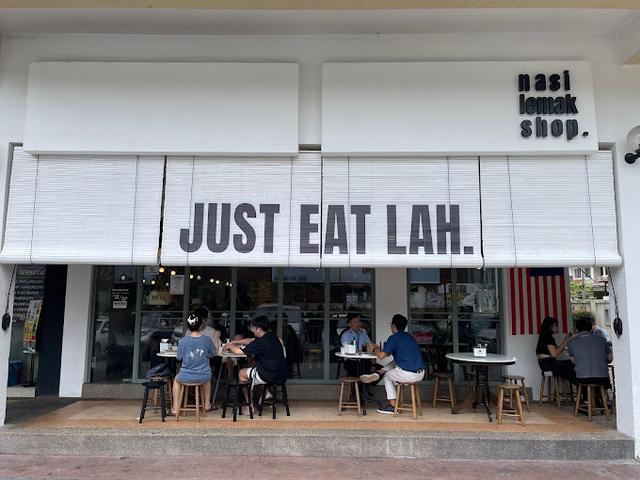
<point x="444" y="322"/>
<point x="351" y="291"/>
<point x="256" y="294"/>
<point x="162" y="314"/>
<point x="114" y="319"/>
<point x="210" y="288"/>
<point x="303" y="321"/>
<point x="307" y="308"/>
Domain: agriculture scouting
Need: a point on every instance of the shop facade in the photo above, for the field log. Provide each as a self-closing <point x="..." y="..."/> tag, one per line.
<point x="307" y="176"/>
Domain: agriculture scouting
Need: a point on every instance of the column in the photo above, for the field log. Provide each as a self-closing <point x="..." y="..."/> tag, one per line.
<point x="75" y="338"/>
<point x="391" y="298"/>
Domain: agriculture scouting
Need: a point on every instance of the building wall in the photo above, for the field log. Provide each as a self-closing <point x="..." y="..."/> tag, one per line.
<point x="391" y="298"/>
<point x="616" y="96"/>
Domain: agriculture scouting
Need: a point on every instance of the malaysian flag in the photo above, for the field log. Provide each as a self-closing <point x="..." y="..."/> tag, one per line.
<point x="535" y="293"/>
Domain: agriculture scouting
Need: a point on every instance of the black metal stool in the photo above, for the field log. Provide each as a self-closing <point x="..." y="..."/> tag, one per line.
<point x="237" y="389"/>
<point x="159" y="385"/>
<point x="274" y="400"/>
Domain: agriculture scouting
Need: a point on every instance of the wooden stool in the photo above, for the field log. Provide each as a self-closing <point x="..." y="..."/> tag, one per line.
<point x="416" y="404"/>
<point x="514" y="394"/>
<point x="352" y="383"/>
<point x="282" y="386"/>
<point x="550" y="382"/>
<point x="612" y="378"/>
<point x="589" y="406"/>
<point x="156" y="387"/>
<point x="437" y="397"/>
<point x="183" y="400"/>
<point x="237" y="390"/>
<point x="169" y="384"/>
<point x="515" y="379"/>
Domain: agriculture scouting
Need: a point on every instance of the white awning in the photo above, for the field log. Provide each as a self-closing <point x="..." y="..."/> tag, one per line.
<point x="413" y="212"/>
<point x="241" y="211"/>
<point x="78" y="209"/>
<point x="548" y="211"/>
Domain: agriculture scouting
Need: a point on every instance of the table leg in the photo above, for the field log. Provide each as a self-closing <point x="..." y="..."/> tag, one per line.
<point x="483" y="396"/>
<point x="215" y="390"/>
<point x="469" y="400"/>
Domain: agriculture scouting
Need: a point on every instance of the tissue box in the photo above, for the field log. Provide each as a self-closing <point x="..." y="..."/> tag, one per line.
<point x="479" y="351"/>
<point x="349" y="349"/>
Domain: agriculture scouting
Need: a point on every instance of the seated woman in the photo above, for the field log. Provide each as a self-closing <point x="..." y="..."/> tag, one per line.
<point x="548" y="351"/>
<point x="194" y="352"/>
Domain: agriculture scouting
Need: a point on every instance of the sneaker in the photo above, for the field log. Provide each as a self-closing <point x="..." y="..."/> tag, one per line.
<point x="387" y="410"/>
<point x="268" y="396"/>
<point x="369" y="378"/>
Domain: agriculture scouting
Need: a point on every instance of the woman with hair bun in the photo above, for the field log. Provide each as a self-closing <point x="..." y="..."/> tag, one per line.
<point x="194" y="352"/>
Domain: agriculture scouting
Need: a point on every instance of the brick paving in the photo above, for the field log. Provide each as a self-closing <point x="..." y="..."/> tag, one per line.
<point x="193" y="467"/>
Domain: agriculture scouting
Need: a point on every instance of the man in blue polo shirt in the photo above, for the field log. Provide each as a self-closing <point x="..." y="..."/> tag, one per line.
<point x="406" y="352"/>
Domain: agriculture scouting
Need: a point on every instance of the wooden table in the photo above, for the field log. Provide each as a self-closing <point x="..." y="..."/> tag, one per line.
<point x="361" y="356"/>
<point x="480" y="395"/>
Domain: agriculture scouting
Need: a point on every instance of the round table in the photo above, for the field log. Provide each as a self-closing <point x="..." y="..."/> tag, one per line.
<point x="480" y="395"/>
<point x="365" y="386"/>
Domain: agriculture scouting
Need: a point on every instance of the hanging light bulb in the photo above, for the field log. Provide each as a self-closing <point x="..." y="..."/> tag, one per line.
<point x="123" y="277"/>
<point x="173" y="272"/>
<point x="144" y="281"/>
<point x="191" y="277"/>
<point x="217" y="282"/>
<point x="199" y="277"/>
<point x="211" y="280"/>
<point x="166" y="284"/>
<point x="153" y="282"/>
<point x="161" y="269"/>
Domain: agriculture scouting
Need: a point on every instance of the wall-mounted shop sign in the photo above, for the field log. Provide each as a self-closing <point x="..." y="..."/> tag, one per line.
<point x="552" y="107"/>
<point x="458" y="108"/>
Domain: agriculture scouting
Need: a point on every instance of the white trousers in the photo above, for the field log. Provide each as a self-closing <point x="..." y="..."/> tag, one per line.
<point x="392" y="377"/>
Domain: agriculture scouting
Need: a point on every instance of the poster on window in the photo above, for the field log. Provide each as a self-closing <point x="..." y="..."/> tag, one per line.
<point x="31" y="326"/>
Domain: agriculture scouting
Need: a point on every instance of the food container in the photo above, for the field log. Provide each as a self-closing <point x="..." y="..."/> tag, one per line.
<point x="164" y="345"/>
<point x="480" y="351"/>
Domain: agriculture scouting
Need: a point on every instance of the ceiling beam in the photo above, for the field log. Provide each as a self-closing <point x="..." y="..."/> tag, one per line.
<point x="319" y="4"/>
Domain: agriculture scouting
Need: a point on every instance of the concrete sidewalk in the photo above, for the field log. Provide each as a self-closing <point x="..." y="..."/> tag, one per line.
<point x="265" y="468"/>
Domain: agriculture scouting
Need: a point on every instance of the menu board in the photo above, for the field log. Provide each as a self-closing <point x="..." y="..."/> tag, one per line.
<point x="29" y="288"/>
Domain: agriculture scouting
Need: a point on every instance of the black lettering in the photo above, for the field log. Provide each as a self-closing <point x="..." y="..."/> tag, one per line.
<point x="525" y="128"/>
<point x="307" y="228"/>
<point x="556" y="128"/>
<point x="452" y="227"/>
<point x="198" y="221"/>
<point x="567" y="80"/>
<point x="269" y="210"/>
<point x="559" y="106"/>
<point x="572" y="129"/>
<point x="524" y="83"/>
<point x="239" y="217"/>
<point x="554" y="82"/>
<point x="531" y="105"/>
<point x="544" y="105"/>
<point x="213" y="244"/>
<point x="420" y="230"/>
<point x="392" y="241"/>
<point x="541" y="82"/>
<point x="361" y="211"/>
<point x="523" y="108"/>
<point x="570" y="103"/>
<point x="541" y="127"/>
<point x="335" y="221"/>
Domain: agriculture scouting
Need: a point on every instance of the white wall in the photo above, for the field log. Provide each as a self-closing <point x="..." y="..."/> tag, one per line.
<point x="617" y="102"/>
<point x="391" y="298"/>
<point x="76" y="330"/>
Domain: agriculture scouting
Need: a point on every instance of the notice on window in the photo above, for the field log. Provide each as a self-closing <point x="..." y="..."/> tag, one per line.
<point x="119" y="298"/>
<point x="32" y="319"/>
<point x="29" y="287"/>
<point x="177" y="285"/>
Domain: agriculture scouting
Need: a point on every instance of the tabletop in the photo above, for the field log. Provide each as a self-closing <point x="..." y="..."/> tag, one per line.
<point x="173" y="354"/>
<point x="357" y="356"/>
<point x="490" y="359"/>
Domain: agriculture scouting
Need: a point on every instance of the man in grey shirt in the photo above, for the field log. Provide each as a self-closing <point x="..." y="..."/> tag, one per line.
<point x="597" y="329"/>
<point x="590" y="354"/>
